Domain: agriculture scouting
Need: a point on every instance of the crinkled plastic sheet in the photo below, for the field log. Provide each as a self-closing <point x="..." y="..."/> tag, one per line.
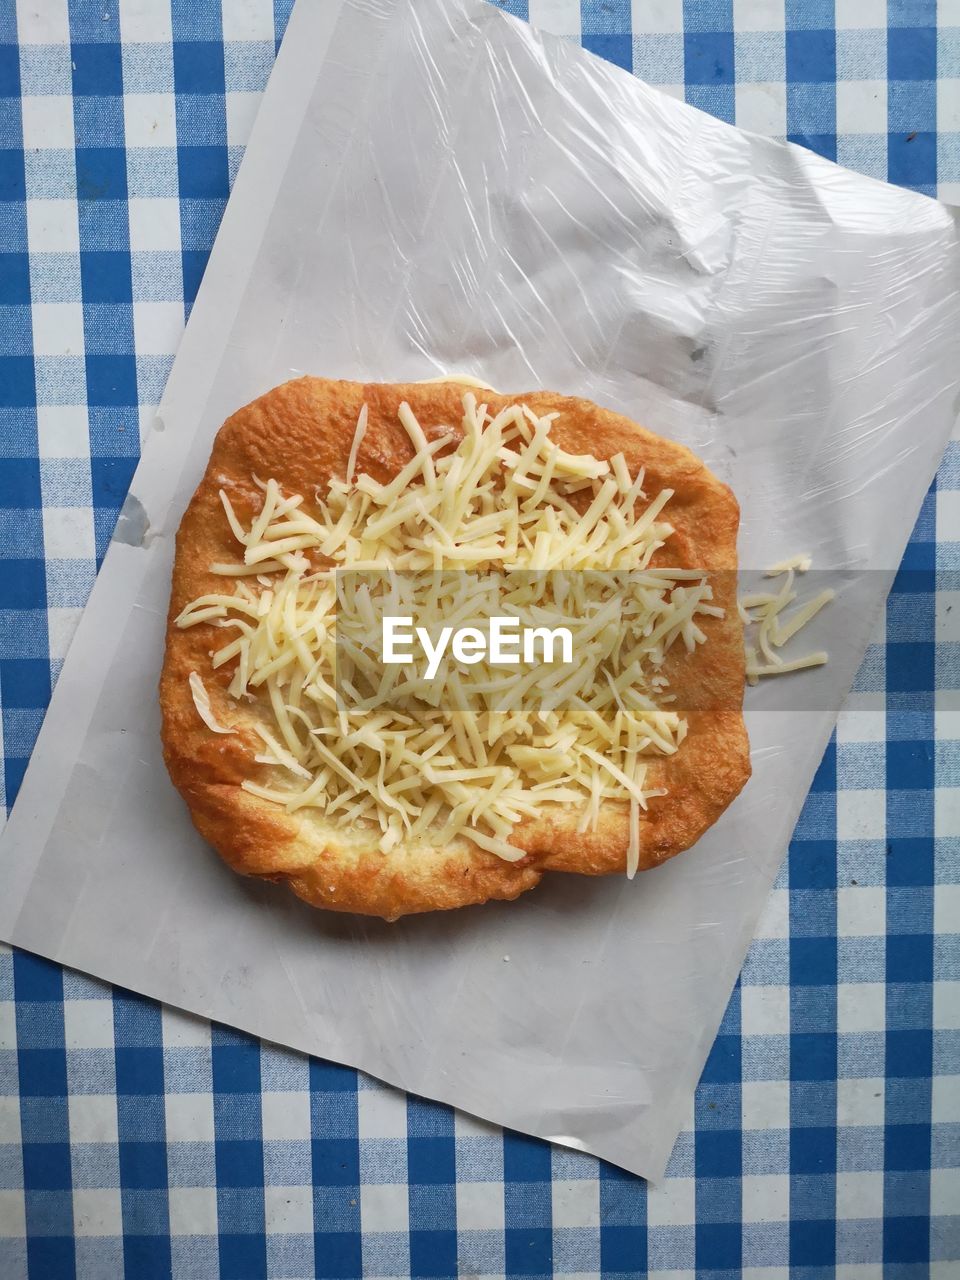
<point x="435" y="187"/>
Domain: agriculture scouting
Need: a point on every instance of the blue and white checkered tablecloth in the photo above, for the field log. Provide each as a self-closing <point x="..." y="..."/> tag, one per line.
<point x="135" y="1140"/>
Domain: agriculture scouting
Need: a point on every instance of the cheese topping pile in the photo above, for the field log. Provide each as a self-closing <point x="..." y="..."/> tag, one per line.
<point x="762" y="611"/>
<point x="471" y="753"/>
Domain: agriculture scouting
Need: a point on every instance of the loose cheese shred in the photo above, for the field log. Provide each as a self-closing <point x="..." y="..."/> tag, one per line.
<point x="358" y="435"/>
<point x="201" y="700"/>
<point x="764" y="609"/>
<point x="546" y="536"/>
<point x="818" y="659"/>
<point x="801" y="563"/>
<point x="633" y="845"/>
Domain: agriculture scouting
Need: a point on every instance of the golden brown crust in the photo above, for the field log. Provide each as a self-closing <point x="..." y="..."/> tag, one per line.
<point x="300" y="434"/>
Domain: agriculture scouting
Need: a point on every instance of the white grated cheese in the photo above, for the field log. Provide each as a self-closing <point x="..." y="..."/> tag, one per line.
<point x="763" y="610"/>
<point x="459" y="757"/>
<point x="201" y="700"/>
<point x="818" y="659"/>
<point x="358" y="435"/>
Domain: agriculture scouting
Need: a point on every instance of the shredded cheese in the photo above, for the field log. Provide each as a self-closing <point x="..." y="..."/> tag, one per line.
<point x="489" y="516"/>
<point x="360" y="432"/>
<point x="201" y="700"/>
<point x="764" y="609"/>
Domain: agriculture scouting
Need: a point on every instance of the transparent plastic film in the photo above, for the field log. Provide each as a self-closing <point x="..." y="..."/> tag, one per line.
<point x="434" y="188"/>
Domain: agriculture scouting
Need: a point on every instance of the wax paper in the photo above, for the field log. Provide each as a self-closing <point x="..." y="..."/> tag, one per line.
<point x="435" y="187"/>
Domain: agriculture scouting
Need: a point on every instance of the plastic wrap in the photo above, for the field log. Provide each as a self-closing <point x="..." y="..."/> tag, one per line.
<point x="434" y="187"/>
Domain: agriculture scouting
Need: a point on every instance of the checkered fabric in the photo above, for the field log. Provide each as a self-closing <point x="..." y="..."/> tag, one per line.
<point x="138" y="1141"/>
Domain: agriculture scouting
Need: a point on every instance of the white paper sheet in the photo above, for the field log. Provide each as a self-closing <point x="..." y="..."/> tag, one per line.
<point x="435" y="187"/>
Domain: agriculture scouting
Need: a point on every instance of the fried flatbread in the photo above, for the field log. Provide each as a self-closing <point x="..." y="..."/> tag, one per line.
<point x="301" y="434"/>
